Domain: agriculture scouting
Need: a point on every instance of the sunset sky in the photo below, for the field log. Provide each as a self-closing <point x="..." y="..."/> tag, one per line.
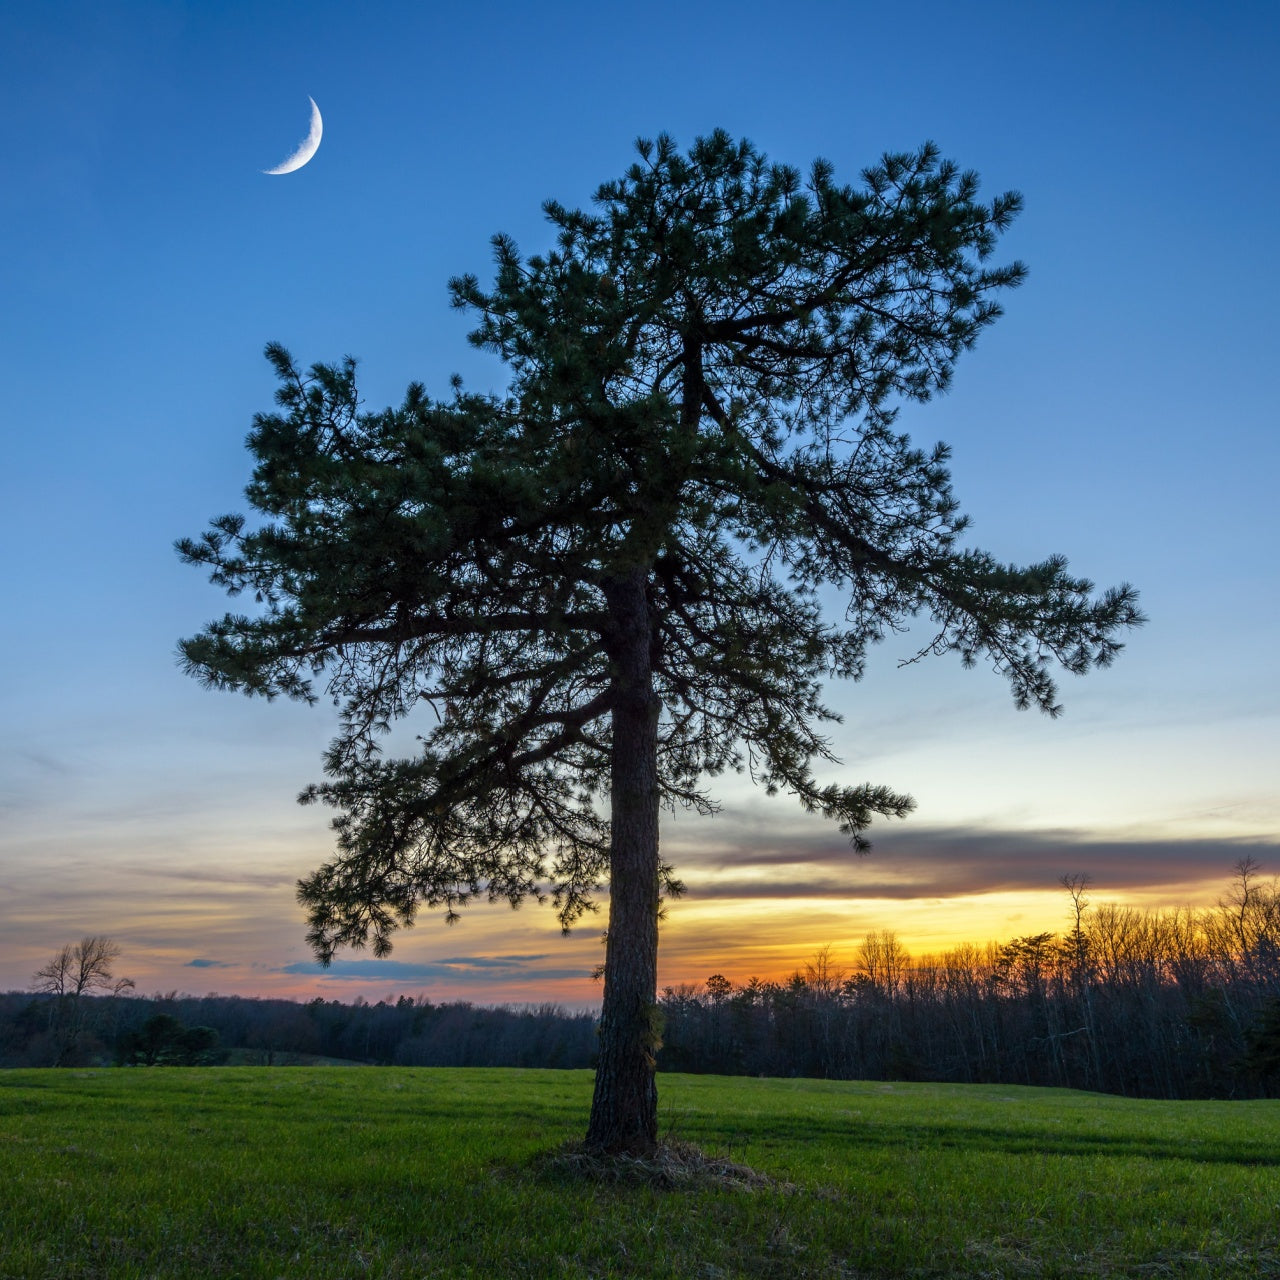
<point x="1123" y="412"/>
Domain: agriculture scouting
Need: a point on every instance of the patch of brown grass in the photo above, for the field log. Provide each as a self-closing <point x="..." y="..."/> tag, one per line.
<point x="672" y="1166"/>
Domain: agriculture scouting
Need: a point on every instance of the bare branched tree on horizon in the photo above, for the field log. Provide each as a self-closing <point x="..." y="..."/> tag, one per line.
<point x="79" y="969"/>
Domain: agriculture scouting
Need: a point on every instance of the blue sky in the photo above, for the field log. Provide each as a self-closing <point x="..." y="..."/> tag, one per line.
<point x="1122" y="412"/>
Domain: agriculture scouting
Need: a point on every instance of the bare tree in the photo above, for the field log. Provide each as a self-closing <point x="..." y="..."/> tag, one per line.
<point x="1252" y="908"/>
<point x="1077" y="885"/>
<point x="80" y="968"/>
<point x="883" y="959"/>
<point x="823" y="974"/>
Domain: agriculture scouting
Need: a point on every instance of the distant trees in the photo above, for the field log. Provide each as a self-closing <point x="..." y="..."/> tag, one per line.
<point x="1174" y="1003"/>
<point x="1178" y="1003"/>
<point x="162" y="1041"/>
<point x="169" y="1029"/>
<point x="79" y="969"/>
<point x="1263" y="1058"/>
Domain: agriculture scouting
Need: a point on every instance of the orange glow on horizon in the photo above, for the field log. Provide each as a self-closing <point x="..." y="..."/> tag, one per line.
<point x="739" y="939"/>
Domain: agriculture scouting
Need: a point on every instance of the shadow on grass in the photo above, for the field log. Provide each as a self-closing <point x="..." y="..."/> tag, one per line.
<point x="996" y="1140"/>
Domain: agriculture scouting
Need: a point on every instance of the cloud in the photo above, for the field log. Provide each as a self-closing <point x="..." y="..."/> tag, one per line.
<point x="454" y="969"/>
<point x="757" y="862"/>
<point x="47" y="763"/>
<point x="202" y="963"/>
<point x="237" y="878"/>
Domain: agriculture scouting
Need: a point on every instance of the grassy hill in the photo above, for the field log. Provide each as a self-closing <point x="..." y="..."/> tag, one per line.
<point x="324" y="1172"/>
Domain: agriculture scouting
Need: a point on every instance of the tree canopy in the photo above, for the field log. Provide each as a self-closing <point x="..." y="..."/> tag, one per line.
<point x="599" y="589"/>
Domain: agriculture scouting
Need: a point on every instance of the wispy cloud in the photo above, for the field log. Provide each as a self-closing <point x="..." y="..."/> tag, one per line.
<point x="202" y="963"/>
<point x="453" y="969"/>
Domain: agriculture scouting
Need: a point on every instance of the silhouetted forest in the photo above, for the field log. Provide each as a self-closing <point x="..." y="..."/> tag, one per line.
<point x="42" y="1030"/>
<point x="1163" y="1004"/>
<point x="1171" y="1004"/>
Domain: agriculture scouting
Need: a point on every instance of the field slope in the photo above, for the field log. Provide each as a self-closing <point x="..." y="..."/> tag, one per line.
<point x="321" y="1173"/>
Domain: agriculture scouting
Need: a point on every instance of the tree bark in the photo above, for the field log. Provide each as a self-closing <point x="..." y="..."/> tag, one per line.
<point x="624" y="1108"/>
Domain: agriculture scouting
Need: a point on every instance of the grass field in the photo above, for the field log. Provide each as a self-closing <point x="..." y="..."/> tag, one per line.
<point x="329" y="1172"/>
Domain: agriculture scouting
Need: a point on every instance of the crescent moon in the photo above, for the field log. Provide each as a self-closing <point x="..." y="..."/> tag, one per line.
<point x="307" y="147"/>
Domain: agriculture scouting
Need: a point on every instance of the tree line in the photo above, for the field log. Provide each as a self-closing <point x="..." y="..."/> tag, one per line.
<point x="1178" y="1003"/>
<point x="171" y="1029"/>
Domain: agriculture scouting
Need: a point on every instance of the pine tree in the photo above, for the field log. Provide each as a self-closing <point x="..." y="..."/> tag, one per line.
<point x="601" y="587"/>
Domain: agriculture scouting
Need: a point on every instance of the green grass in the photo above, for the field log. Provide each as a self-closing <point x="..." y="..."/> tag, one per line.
<point x="336" y="1173"/>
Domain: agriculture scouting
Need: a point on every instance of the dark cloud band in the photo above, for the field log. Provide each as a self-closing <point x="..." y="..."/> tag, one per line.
<point x="924" y="863"/>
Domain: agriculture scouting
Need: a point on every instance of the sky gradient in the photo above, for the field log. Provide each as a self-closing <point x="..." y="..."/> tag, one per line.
<point x="1122" y="413"/>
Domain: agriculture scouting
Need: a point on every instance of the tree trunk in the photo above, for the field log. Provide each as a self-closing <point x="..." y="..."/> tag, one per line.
<point x="624" y="1109"/>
